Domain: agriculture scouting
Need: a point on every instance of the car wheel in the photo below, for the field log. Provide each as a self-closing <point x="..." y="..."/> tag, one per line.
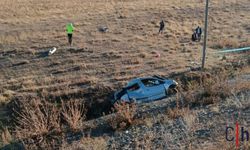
<point x="171" y="90"/>
<point x="132" y="100"/>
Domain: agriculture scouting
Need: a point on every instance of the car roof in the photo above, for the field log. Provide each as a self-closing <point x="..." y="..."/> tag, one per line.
<point x="133" y="81"/>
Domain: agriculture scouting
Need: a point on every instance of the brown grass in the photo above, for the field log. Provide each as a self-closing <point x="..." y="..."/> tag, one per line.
<point x="6" y="137"/>
<point x="3" y="99"/>
<point x="210" y="88"/>
<point x="36" y="118"/>
<point x="124" y="116"/>
<point x="87" y="143"/>
<point x="225" y="43"/>
<point x="41" y="118"/>
<point x="177" y="112"/>
<point x="6" y="96"/>
<point x="74" y="113"/>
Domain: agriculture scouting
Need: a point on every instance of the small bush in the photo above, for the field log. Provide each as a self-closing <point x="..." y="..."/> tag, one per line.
<point x="213" y="88"/>
<point x="3" y="99"/>
<point x="74" y="113"/>
<point x="210" y="91"/>
<point x="177" y="112"/>
<point x="124" y="117"/>
<point x="5" y="96"/>
<point x="6" y="137"/>
<point x="36" y="118"/>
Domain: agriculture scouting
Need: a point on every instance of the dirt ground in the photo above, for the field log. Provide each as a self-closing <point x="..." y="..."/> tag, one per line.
<point x="130" y="48"/>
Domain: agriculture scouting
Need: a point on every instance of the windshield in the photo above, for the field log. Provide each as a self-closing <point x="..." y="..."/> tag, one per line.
<point x="151" y="82"/>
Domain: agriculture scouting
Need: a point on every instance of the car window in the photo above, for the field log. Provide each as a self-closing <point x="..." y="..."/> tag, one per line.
<point x="151" y="82"/>
<point x="133" y="87"/>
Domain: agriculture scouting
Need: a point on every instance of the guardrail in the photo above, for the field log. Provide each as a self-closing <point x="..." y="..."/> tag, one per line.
<point x="234" y="50"/>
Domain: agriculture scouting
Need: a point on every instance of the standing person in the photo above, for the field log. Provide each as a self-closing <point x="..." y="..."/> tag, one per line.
<point x="70" y="30"/>
<point x="198" y="31"/>
<point x="162" y="25"/>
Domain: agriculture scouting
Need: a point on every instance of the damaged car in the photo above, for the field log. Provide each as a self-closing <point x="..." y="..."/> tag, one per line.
<point x="146" y="89"/>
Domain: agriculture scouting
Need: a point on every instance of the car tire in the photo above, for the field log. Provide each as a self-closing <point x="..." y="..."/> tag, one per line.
<point x="132" y="100"/>
<point x="171" y="90"/>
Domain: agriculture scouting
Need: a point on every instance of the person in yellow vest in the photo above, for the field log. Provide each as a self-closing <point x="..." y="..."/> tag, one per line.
<point x="70" y="30"/>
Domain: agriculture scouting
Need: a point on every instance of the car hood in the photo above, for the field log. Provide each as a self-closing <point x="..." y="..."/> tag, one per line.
<point x="168" y="81"/>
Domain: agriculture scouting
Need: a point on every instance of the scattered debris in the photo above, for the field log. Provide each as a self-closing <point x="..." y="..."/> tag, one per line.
<point x="157" y="54"/>
<point x="103" y="29"/>
<point x="52" y="51"/>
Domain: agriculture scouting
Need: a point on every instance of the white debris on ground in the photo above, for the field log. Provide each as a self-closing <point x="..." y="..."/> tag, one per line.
<point x="52" y="51"/>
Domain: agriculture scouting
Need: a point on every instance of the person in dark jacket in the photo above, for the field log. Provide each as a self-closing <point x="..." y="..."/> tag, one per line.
<point x="162" y="26"/>
<point x="196" y="36"/>
<point x="198" y="32"/>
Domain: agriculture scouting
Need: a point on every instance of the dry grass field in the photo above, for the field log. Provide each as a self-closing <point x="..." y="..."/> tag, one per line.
<point x="99" y="63"/>
<point x="30" y="28"/>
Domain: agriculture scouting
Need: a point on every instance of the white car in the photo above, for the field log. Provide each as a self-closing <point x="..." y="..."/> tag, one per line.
<point x="145" y="90"/>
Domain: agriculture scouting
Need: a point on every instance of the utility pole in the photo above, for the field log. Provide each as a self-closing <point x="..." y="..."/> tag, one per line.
<point x="205" y="37"/>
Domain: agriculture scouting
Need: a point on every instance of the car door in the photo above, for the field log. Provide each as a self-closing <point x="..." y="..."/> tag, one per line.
<point x="154" y="88"/>
<point x="135" y="92"/>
